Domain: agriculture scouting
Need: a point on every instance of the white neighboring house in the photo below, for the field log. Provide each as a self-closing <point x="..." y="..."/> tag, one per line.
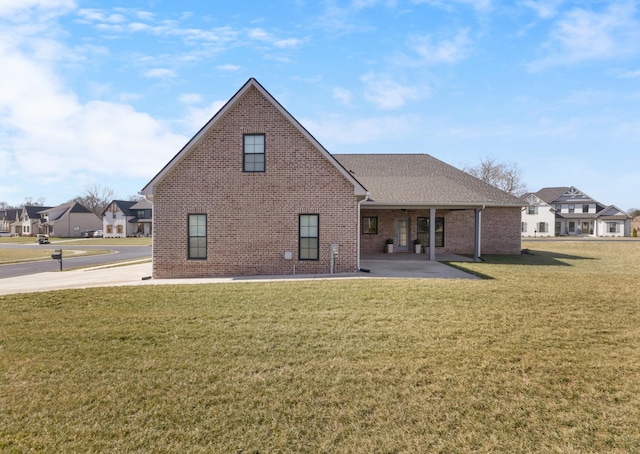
<point x="538" y="217"/>
<point x="575" y="214"/>
<point x="612" y="221"/>
<point x="126" y="218"/>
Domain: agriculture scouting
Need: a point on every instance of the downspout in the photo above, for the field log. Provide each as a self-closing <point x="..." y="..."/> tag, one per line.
<point x="358" y="235"/>
<point x="149" y="197"/>
<point x="478" y="227"/>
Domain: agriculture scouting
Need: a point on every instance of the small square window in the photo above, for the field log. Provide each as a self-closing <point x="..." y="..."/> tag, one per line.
<point x="369" y="225"/>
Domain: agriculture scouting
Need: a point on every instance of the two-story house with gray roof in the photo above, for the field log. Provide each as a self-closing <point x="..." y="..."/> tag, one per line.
<point x="127" y="218"/>
<point x="253" y="192"/>
<point x="68" y="220"/>
<point x="572" y="213"/>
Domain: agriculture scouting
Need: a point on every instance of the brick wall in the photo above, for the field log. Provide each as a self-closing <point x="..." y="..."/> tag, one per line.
<point x="500" y="233"/>
<point x="252" y="218"/>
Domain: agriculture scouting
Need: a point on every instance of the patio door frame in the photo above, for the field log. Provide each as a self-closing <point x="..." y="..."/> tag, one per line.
<point x="402" y="240"/>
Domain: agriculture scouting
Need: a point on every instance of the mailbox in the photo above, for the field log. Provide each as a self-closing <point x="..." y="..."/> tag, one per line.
<point x="57" y="255"/>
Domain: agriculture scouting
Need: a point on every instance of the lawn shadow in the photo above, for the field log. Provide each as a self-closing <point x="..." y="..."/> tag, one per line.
<point x="526" y="257"/>
<point x="534" y="257"/>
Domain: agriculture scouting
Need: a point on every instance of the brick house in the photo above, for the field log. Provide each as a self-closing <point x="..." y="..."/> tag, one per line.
<point x="253" y="193"/>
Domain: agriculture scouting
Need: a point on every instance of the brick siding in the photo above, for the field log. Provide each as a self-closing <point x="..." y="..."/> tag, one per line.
<point x="252" y="218"/>
<point x="500" y="230"/>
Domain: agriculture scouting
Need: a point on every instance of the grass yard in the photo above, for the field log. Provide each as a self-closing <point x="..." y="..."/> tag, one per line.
<point x="543" y="356"/>
<point x="80" y="241"/>
<point x="30" y="255"/>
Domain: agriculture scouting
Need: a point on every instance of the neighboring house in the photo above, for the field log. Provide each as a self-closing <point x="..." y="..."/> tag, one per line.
<point x="635" y="224"/>
<point x="8" y="218"/>
<point x="68" y="220"/>
<point x="538" y="217"/>
<point x="254" y="193"/>
<point x="126" y="218"/>
<point x="30" y="221"/>
<point x="575" y="214"/>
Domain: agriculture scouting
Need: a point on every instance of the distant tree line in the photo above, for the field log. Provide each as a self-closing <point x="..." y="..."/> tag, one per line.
<point x="95" y="198"/>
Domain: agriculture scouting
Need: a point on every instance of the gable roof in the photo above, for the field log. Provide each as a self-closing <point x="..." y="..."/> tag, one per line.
<point x="531" y="198"/>
<point x="123" y="205"/>
<point x="569" y="194"/>
<point x="56" y="213"/>
<point x="410" y="180"/>
<point x="148" y="190"/>
<point x="613" y="212"/>
<point x="142" y="204"/>
<point x="33" y="211"/>
<point x="551" y="194"/>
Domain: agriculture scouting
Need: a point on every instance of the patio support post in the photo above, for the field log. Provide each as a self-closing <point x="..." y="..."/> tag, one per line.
<point x="478" y="225"/>
<point x="432" y="234"/>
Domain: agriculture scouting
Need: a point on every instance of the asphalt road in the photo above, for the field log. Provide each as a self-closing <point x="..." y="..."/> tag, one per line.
<point x="119" y="253"/>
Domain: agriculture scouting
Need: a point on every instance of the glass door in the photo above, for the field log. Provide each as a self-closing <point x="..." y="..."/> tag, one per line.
<point x="402" y="241"/>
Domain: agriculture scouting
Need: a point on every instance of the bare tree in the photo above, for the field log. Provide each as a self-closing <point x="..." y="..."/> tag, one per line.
<point x="96" y="198"/>
<point x="28" y="201"/>
<point x="505" y="176"/>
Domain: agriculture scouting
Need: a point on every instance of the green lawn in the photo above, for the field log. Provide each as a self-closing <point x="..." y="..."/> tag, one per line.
<point x="542" y="356"/>
<point x="30" y="255"/>
<point x="79" y="241"/>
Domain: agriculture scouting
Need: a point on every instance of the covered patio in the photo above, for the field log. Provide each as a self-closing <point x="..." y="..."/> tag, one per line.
<point x="411" y="265"/>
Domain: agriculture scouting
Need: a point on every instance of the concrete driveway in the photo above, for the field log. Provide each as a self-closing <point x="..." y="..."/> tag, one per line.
<point x="382" y="266"/>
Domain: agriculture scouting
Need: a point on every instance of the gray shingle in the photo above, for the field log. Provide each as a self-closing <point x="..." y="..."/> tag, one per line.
<point x="421" y="179"/>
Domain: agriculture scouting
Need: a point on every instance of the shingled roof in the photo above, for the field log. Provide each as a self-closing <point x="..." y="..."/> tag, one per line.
<point x="406" y="180"/>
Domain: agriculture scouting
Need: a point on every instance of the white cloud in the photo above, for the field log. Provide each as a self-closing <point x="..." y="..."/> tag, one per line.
<point x="12" y="7"/>
<point x="444" y="50"/>
<point x="260" y="34"/>
<point x="97" y="15"/>
<point x="190" y="98"/>
<point x="478" y="5"/>
<point x="545" y="9"/>
<point x="582" y="35"/>
<point x="342" y="95"/>
<point x="631" y="74"/>
<point x="385" y="93"/>
<point x="228" y="67"/>
<point x="338" y="131"/>
<point x="196" y="117"/>
<point x="51" y="135"/>
<point x="160" y="73"/>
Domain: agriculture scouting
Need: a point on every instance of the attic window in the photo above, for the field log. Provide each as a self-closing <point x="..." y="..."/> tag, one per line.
<point x="253" y="153"/>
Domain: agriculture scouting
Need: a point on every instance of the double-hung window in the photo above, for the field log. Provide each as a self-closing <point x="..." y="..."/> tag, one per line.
<point x="424" y="228"/>
<point x="197" y="236"/>
<point x="309" y="240"/>
<point x="253" y="153"/>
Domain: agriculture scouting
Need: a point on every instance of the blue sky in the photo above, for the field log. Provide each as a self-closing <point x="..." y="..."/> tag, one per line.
<point x="106" y="92"/>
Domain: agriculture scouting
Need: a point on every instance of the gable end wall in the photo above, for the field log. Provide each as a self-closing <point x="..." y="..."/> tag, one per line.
<point x="252" y="218"/>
